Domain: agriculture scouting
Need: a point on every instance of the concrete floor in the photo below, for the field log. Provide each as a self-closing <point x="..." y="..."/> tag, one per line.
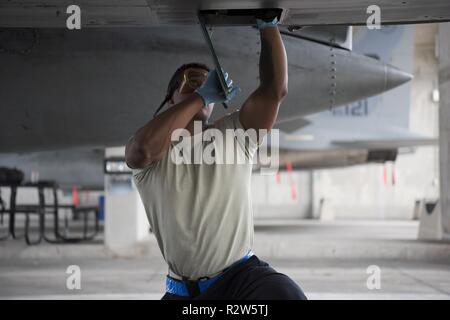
<point x="330" y="262"/>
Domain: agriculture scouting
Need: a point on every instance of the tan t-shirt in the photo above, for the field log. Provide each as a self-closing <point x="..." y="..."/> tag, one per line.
<point x="201" y="214"/>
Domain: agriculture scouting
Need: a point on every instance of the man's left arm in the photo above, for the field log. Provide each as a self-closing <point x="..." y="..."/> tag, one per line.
<point x="260" y="109"/>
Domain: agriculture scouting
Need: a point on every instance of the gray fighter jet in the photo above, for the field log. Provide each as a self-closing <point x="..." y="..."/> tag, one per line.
<point x="92" y="87"/>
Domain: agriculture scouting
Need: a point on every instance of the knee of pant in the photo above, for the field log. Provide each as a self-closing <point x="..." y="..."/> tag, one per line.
<point x="282" y="287"/>
<point x="289" y="290"/>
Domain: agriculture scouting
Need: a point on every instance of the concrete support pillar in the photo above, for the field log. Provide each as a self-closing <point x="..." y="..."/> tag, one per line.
<point x="444" y="123"/>
<point x="126" y="224"/>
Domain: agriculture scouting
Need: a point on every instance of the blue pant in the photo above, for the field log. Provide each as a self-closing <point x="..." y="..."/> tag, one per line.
<point x="250" y="280"/>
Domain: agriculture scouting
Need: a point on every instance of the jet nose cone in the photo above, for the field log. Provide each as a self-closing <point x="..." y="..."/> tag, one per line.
<point x="395" y="77"/>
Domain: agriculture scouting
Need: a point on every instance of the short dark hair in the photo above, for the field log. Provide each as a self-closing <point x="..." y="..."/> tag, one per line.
<point x="176" y="80"/>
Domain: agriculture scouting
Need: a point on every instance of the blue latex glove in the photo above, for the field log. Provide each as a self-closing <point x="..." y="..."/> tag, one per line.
<point x="211" y="90"/>
<point x="266" y="24"/>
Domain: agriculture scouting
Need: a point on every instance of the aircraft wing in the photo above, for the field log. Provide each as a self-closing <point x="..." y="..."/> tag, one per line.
<point x="306" y="150"/>
<point x="119" y="13"/>
<point x="293" y="125"/>
<point x="386" y="144"/>
<point x="338" y="134"/>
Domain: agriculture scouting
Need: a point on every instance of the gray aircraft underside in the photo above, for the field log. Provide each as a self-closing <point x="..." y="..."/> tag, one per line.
<point x="120" y="13"/>
<point x="92" y="88"/>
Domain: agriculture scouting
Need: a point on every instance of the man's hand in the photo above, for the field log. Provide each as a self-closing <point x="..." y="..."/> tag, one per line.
<point x="211" y="90"/>
<point x="262" y="24"/>
<point x="260" y="109"/>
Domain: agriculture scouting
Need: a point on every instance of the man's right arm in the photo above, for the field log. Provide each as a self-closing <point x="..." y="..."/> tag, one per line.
<point x="150" y="143"/>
